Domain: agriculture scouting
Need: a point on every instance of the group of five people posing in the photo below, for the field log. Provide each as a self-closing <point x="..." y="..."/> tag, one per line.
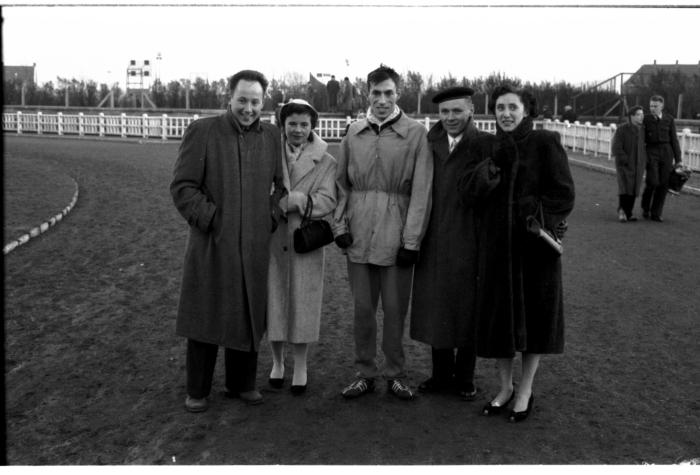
<point x="438" y="222"/>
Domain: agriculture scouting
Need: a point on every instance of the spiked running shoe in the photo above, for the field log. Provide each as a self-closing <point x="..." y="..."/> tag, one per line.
<point x="400" y="390"/>
<point x="358" y="387"/>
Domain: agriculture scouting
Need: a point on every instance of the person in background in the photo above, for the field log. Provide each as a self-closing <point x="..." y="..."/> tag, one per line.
<point x="444" y="285"/>
<point x="513" y="178"/>
<point x="384" y="180"/>
<point x="663" y="154"/>
<point x="569" y="114"/>
<point x="630" y="160"/>
<point x="547" y="113"/>
<point x="225" y="170"/>
<point x="347" y="95"/>
<point x="295" y="281"/>
<point x="332" y="90"/>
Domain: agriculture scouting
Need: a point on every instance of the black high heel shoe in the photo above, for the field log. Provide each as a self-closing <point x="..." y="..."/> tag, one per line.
<point x="276" y="383"/>
<point x="491" y="410"/>
<point x="298" y="389"/>
<point x="519" y="416"/>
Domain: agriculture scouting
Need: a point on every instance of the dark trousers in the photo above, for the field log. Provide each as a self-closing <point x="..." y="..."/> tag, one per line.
<point x="458" y="366"/>
<point x="241" y="368"/>
<point x="627" y="204"/>
<point x="658" y="170"/>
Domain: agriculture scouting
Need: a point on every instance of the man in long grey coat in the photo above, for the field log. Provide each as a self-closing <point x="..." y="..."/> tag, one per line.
<point x="225" y="170"/>
<point x="630" y="160"/>
<point x="444" y="284"/>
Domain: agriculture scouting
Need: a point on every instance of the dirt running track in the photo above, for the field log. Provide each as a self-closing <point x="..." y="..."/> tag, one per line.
<point x="95" y="373"/>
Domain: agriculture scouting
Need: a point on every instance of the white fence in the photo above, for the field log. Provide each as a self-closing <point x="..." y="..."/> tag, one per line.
<point x="159" y="126"/>
<point x="586" y="138"/>
<point x="597" y="139"/>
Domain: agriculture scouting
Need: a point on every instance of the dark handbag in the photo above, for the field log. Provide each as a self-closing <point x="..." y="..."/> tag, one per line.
<point x="677" y="179"/>
<point x="543" y="234"/>
<point x="312" y="233"/>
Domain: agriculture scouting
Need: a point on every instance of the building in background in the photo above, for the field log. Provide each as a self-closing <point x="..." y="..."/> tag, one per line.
<point x="25" y="74"/>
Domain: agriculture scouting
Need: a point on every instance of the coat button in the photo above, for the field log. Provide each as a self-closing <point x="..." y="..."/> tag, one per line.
<point x="284" y="248"/>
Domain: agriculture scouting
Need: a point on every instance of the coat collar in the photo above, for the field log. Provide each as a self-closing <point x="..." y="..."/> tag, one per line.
<point x="312" y="154"/>
<point x="254" y="127"/>
<point x="400" y="126"/>
<point x="438" y="137"/>
<point x="438" y="132"/>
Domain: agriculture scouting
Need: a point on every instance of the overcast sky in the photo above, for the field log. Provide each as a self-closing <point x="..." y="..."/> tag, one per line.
<point x="535" y="44"/>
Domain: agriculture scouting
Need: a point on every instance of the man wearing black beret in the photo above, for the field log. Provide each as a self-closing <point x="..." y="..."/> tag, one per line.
<point x="444" y="283"/>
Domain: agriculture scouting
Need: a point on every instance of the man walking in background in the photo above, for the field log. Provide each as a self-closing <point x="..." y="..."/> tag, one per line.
<point x="347" y="95"/>
<point x="385" y="173"/>
<point x="444" y="285"/>
<point x="224" y="172"/>
<point x="663" y="153"/>
<point x="332" y="89"/>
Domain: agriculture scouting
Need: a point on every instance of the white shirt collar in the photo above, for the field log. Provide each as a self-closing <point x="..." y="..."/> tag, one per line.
<point x="456" y="140"/>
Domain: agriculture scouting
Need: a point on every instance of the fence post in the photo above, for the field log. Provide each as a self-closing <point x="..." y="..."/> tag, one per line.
<point x="164" y="127"/>
<point x="38" y="122"/>
<point x="586" y="128"/>
<point x="598" y="130"/>
<point x="59" y="120"/>
<point x="19" y="122"/>
<point x="194" y="117"/>
<point x="613" y="128"/>
<point x="102" y="124"/>
<point x="81" y="124"/>
<point x="144" y="126"/>
<point x="123" y="124"/>
<point x="684" y="144"/>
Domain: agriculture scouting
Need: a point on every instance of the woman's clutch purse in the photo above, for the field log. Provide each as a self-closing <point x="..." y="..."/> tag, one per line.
<point x="546" y="236"/>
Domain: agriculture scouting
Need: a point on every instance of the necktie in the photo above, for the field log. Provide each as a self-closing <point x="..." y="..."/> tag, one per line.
<point x="453" y="144"/>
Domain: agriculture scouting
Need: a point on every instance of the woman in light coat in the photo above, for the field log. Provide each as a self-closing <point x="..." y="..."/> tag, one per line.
<point x="630" y="162"/>
<point x="295" y="281"/>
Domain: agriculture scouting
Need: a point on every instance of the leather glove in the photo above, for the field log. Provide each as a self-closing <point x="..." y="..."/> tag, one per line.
<point x="487" y="176"/>
<point x="406" y="257"/>
<point x="561" y="229"/>
<point x="494" y="172"/>
<point x="277" y="214"/>
<point x="344" y="240"/>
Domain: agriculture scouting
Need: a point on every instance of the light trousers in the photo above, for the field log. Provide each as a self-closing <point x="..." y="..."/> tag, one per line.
<point x="369" y="282"/>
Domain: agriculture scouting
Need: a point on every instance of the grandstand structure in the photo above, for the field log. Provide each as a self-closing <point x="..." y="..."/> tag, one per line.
<point x="615" y="95"/>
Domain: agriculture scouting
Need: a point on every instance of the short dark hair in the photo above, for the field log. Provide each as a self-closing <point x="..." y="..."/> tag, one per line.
<point x="526" y="97"/>
<point x="656" y="98"/>
<point x="382" y="73"/>
<point x="292" y="108"/>
<point x="633" y="110"/>
<point x="247" y="75"/>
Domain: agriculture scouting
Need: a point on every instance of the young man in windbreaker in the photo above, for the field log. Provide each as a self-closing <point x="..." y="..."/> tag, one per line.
<point x="385" y="174"/>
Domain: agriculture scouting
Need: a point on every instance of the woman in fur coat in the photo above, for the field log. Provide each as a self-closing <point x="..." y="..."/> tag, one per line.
<point x="517" y="181"/>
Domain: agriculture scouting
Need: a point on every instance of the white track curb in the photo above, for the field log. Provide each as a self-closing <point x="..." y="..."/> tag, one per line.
<point x="43" y="227"/>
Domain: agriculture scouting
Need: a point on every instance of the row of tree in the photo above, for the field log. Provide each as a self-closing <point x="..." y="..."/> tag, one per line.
<point x="416" y="96"/>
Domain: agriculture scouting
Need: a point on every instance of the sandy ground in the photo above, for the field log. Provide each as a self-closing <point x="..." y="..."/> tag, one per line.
<point x="95" y="373"/>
